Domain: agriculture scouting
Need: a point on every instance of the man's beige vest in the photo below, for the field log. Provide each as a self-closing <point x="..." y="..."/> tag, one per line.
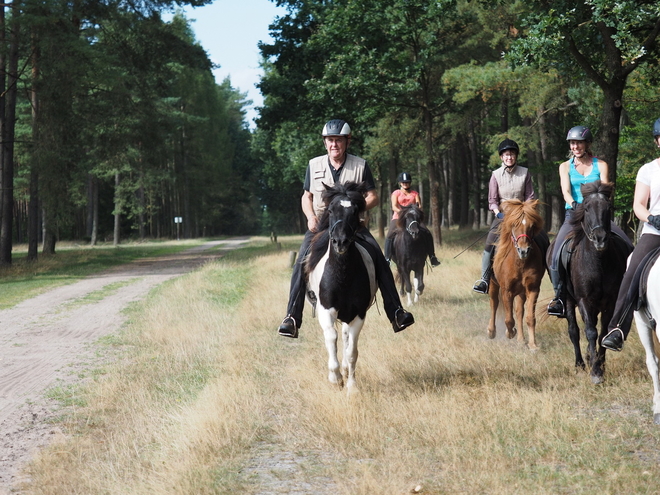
<point x="319" y="174"/>
<point x="511" y="184"/>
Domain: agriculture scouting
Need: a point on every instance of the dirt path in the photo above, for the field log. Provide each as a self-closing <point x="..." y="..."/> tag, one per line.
<point x="44" y="340"/>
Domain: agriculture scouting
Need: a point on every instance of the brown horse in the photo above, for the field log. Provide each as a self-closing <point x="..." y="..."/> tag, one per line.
<point x="518" y="269"/>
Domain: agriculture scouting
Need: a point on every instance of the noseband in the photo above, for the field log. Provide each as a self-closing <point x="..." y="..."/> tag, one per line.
<point x="515" y="238"/>
<point x="332" y="229"/>
<point x="410" y="225"/>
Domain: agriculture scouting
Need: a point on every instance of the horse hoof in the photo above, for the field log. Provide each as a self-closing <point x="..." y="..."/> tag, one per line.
<point x="656" y="419"/>
<point x="336" y="379"/>
<point x="533" y="348"/>
<point x="511" y="334"/>
<point x="491" y="335"/>
<point x="596" y="380"/>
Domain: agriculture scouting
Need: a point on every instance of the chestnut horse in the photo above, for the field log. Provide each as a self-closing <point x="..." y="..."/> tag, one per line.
<point x="518" y="269"/>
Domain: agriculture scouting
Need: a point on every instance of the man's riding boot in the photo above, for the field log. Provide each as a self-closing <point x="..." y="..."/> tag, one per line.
<point x="388" y="248"/>
<point x="481" y="285"/>
<point x="557" y="307"/>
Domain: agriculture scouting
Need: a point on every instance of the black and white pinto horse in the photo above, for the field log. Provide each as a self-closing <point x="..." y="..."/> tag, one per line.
<point x="341" y="277"/>
<point x="596" y="267"/>
<point x="410" y="251"/>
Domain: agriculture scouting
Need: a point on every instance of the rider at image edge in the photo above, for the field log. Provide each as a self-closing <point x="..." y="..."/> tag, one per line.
<point x="581" y="168"/>
<point x="406" y="196"/>
<point x="338" y="166"/>
<point x="646" y="205"/>
<point x="509" y="181"/>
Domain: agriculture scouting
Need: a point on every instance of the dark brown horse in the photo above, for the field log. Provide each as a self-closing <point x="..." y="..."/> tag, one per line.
<point x="596" y="267"/>
<point x="410" y="251"/>
<point x="518" y="270"/>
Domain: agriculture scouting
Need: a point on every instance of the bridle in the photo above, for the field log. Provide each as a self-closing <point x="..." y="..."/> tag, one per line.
<point x="589" y="232"/>
<point x="410" y="225"/>
<point x="334" y="225"/>
<point x="515" y="238"/>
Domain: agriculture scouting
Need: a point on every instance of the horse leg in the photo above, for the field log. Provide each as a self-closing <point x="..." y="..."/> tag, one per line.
<point x="509" y="322"/>
<point x="645" y="332"/>
<point x="327" y="320"/>
<point x="494" y="294"/>
<point x="530" y="319"/>
<point x="519" y="307"/>
<point x="574" y="334"/>
<point x="419" y="283"/>
<point x="351" y="333"/>
<point x="591" y="332"/>
<point x="406" y="285"/>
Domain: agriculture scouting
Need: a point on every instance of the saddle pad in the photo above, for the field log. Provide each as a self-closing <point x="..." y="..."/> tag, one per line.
<point x="642" y="276"/>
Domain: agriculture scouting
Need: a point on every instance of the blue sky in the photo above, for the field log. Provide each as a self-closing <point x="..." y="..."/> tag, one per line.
<point x="229" y="31"/>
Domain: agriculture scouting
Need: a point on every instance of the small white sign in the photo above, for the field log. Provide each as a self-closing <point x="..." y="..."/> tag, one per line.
<point x="178" y="219"/>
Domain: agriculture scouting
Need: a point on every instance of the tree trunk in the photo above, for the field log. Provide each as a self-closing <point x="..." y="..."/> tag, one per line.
<point x="6" y="229"/>
<point x="115" y="240"/>
<point x="95" y="211"/>
<point x="433" y="183"/>
<point x="608" y="144"/>
<point x="48" y="234"/>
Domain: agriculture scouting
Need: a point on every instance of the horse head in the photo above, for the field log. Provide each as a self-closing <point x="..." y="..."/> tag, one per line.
<point x="595" y="213"/>
<point x="410" y="218"/>
<point x="520" y="225"/>
<point x="344" y="204"/>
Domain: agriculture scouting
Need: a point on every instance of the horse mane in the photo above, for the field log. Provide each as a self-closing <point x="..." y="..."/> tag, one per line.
<point x="355" y="192"/>
<point x="515" y="211"/>
<point x="588" y="189"/>
<point x="401" y="221"/>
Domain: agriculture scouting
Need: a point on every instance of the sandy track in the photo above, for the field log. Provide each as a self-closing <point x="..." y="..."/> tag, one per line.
<point x="44" y="340"/>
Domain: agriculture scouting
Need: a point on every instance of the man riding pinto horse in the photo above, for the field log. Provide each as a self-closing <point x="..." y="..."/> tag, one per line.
<point x="337" y="166"/>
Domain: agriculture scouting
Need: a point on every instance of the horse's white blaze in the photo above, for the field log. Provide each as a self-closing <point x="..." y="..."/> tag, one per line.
<point x="345" y="203"/>
<point x="645" y="331"/>
<point x="524" y="222"/>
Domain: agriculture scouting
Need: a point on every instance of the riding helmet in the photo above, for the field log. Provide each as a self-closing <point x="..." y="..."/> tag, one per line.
<point x="656" y="128"/>
<point x="579" y="133"/>
<point x="508" y="144"/>
<point x="336" y="127"/>
<point x="404" y="177"/>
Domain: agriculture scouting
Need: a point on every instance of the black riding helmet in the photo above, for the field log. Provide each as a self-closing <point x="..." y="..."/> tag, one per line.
<point x="336" y="127"/>
<point x="656" y="128"/>
<point x="404" y="177"/>
<point x="508" y="144"/>
<point x="579" y="133"/>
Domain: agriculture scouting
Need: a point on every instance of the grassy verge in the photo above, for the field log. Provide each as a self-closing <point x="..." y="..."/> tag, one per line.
<point x="206" y="398"/>
<point x="24" y="279"/>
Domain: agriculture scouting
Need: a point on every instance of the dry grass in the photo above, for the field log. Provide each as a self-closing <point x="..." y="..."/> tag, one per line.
<point x="206" y="398"/>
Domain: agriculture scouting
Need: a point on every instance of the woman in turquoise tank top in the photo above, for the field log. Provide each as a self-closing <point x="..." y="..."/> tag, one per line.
<point x="580" y="169"/>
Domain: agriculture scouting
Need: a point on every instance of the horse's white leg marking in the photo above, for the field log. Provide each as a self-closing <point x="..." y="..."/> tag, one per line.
<point x="416" y="286"/>
<point x="327" y="318"/>
<point x="351" y="334"/>
<point x="410" y="301"/>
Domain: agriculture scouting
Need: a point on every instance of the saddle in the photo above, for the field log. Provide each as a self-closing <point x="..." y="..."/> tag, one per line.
<point x="637" y="292"/>
<point x="566" y="253"/>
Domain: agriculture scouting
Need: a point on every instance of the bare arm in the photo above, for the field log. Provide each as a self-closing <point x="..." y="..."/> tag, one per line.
<point x="372" y="199"/>
<point x="641" y="201"/>
<point x="565" y="183"/>
<point x="395" y="203"/>
<point x="307" y="203"/>
<point x="604" y="170"/>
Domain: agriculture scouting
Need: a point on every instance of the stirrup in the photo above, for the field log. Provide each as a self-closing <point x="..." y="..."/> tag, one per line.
<point x="288" y="327"/>
<point x="613" y="340"/>
<point x="557" y="308"/>
<point x="480" y="286"/>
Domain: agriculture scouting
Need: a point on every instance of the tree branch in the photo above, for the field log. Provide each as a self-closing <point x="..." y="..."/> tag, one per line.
<point x="586" y="66"/>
